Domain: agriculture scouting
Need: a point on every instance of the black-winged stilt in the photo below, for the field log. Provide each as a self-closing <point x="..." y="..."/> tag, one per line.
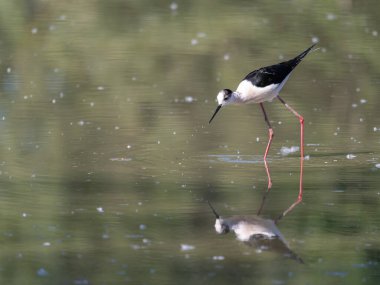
<point x="255" y="231"/>
<point x="262" y="85"/>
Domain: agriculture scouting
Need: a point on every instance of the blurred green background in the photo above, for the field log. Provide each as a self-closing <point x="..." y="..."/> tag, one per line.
<point x="107" y="157"/>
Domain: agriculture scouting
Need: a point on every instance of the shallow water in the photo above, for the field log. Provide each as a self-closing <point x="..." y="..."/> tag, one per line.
<point x="107" y="157"/>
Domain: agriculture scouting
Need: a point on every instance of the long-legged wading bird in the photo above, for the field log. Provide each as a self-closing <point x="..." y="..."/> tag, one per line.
<point x="255" y="231"/>
<point x="264" y="84"/>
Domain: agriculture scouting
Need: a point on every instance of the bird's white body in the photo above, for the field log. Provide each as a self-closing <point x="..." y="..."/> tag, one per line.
<point x="247" y="93"/>
<point x="247" y="227"/>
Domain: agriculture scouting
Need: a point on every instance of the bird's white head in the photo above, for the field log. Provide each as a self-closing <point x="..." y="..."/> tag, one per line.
<point x="224" y="97"/>
<point x="221" y="226"/>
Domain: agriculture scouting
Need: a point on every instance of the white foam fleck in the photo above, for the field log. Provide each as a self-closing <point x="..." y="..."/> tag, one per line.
<point x="194" y="42"/>
<point x="288" y="150"/>
<point x="173" y="6"/>
<point x="187" y="247"/>
<point x="218" y="257"/>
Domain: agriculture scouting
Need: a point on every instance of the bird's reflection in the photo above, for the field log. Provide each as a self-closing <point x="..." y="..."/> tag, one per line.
<point x="255" y="231"/>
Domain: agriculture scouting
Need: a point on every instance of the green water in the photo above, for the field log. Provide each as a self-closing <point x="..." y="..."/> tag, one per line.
<point x="107" y="157"/>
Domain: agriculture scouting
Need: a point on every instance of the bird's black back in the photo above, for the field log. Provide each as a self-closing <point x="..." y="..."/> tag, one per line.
<point x="275" y="74"/>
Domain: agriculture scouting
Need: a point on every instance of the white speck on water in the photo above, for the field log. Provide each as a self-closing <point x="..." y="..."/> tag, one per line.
<point x="375" y="129"/>
<point x="354" y="105"/>
<point x="307" y="157"/>
<point x="257" y="139"/>
<point x="174" y="133"/>
<point x="81" y="123"/>
<point x="24" y="215"/>
<point x="129" y="146"/>
<point x="377" y="165"/>
<point x="100" y="210"/>
<point x="42" y="272"/>
<point x="189" y="99"/>
<point x="314" y="40"/>
<point x="375" y="33"/>
<point x="361" y="120"/>
<point x="350" y="156"/>
<point x="288" y="150"/>
<point x="173" y="6"/>
<point x="363" y="101"/>
<point x="53" y="101"/>
<point x="46" y="243"/>
<point x="9" y="70"/>
<point x="61" y="94"/>
<point x="142" y="227"/>
<point x="146" y="241"/>
<point x="34" y="31"/>
<point x="357" y="89"/>
<point x="3" y="118"/>
<point x="218" y="257"/>
<point x="201" y="35"/>
<point x="226" y="56"/>
<point x="100" y="88"/>
<point x="121" y="159"/>
<point x="194" y="42"/>
<point x="117" y="128"/>
<point x="62" y="17"/>
<point x="187" y="247"/>
<point x="92" y="104"/>
<point x="158" y="142"/>
<point x="330" y="16"/>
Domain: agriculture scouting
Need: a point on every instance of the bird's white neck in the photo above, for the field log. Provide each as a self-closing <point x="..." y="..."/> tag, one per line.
<point x="236" y="98"/>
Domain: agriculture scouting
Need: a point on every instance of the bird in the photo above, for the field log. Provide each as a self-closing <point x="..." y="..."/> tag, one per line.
<point x="259" y="86"/>
<point x="255" y="231"/>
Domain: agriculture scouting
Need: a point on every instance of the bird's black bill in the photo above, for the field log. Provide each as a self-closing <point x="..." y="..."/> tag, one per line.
<point x="216" y="111"/>
<point x="213" y="210"/>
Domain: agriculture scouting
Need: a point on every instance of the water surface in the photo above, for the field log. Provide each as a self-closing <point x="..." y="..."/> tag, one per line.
<point x="107" y="157"/>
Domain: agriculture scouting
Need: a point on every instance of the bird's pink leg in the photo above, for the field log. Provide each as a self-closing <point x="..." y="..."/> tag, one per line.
<point x="299" y="199"/>
<point x="271" y="134"/>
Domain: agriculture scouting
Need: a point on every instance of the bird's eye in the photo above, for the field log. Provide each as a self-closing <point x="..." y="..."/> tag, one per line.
<point x="226" y="229"/>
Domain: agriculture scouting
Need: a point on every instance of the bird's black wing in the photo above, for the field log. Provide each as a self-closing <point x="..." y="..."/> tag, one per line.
<point x="268" y="75"/>
<point x="275" y="74"/>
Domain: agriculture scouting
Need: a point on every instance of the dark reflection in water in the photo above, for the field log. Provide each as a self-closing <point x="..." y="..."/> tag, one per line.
<point x="255" y="231"/>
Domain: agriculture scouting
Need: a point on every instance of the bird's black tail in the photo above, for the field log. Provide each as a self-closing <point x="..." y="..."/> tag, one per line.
<point x="295" y="61"/>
